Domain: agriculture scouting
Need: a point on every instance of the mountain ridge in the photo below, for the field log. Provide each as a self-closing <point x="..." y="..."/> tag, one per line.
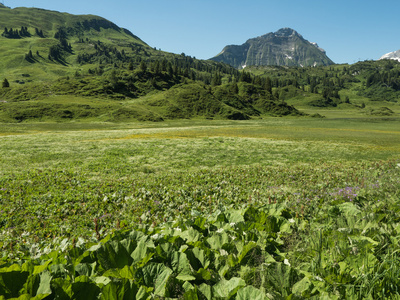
<point x="285" y="47"/>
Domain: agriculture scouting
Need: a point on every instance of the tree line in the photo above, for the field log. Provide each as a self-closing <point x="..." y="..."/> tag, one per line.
<point x="20" y="33"/>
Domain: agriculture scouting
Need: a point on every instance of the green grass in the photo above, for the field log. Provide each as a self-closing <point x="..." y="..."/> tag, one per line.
<point x="313" y="199"/>
<point x="196" y="144"/>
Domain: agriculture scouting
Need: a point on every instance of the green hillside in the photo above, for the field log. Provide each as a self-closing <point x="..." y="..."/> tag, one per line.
<point x="46" y="43"/>
<point x="58" y="66"/>
<point x="62" y="67"/>
<point x="368" y="88"/>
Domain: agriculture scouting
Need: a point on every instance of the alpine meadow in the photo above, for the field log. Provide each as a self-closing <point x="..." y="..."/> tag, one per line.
<point x="128" y="172"/>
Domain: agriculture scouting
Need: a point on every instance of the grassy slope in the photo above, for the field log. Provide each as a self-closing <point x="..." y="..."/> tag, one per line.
<point x="353" y="89"/>
<point x="13" y="64"/>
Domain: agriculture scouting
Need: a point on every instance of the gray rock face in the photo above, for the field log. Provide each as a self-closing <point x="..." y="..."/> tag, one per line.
<point x="285" y="47"/>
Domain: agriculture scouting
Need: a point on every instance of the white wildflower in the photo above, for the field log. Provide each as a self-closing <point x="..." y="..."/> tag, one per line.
<point x="318" y="278"/>
<point x="292" y="220"/>
<point x="286" y="262"/>
<point x="220" y="230"/>
<point x="155" y="236"/>
<point x="223" y="252"/>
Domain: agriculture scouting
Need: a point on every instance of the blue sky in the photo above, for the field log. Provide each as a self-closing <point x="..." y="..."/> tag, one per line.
<point x="349" y="30"/>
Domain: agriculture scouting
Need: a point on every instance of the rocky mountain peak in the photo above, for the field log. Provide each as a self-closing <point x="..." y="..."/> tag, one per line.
<point x="285" y="47"/>
<point x="287" y="32"/>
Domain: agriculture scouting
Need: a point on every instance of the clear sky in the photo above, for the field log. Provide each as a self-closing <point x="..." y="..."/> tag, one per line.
<point x="349" y="30"/>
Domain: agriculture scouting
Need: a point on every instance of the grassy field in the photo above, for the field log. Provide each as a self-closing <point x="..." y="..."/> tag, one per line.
<point x="195" y="144"/>
<point x="315" y="203"/>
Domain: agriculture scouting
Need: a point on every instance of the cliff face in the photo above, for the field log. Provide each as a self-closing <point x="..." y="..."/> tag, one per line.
<point x="285" y="47"/>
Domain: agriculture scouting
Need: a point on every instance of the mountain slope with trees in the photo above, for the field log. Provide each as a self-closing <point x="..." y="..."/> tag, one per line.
<point x="57" y="66"/>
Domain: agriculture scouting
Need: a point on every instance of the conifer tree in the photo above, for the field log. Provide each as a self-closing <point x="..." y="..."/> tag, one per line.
<point x="143" y="66"/>
<point x="5" y="84"/>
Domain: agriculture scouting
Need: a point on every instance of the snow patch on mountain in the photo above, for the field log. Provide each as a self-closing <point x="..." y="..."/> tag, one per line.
<point x="392" y="55"/>
<point x="318" y="47"/>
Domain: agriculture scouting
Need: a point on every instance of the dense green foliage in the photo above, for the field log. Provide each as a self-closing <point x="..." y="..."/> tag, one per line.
<point x="282" y="208"/>
<point x="277" y="209"/>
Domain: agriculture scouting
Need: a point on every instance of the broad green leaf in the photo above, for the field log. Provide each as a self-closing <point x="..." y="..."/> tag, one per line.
<point x="113" y="255"/>
<point x="203" y="256"/>
<point x="191" y="235"/>
<point x="21" y="297"/>
<point x="190" y="295"/>
<point x="255" y="215"/>
<point x="111" y="292"/>
<point x="127" y="272"/>
<point x="180" y="264"/>
<point x="85" y="269"/>
<point x="303" y="287"/>
<point x="11" y="282"/>
<point x="203" y="274"/>
<point x="243" y="250"/>
<point x="185" y="277"/>
<point x="58" y="270"/>
<point x="187" y="286"/>
<point x="223" y="270"/>
<point x="276" y="209"/>
<point x="250" y="293"/>
<point x="200" y="222"/>
<point x="235" y="216"/>
<point x="156" y="275"/>
<point x="232" y="260"/>
<point x="280" y="278"/>
<point x="217" y="240"/>
<point x="121" y="289"/>
<point x="28" y="266"/>
<point x="101" y="281"/>
<point x="32" y="284"/>
<point x="206" y="290"/>
<point x="164" y="251"/>
<point x="42" y="267"/>
<point x="83" y="288"/>
<point x="62" y="288"/>
<point x="227" y="288"/>
<point x="129" y="245"/>
<point x="285" y="227"/>
<point x="44" y="286"/>
<point x="141" y="254"/>
<point x="144" y="293"/>
<point x="11" y="268"/>
<point x="29" y="297"/>
<point x="361" y="264"/>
